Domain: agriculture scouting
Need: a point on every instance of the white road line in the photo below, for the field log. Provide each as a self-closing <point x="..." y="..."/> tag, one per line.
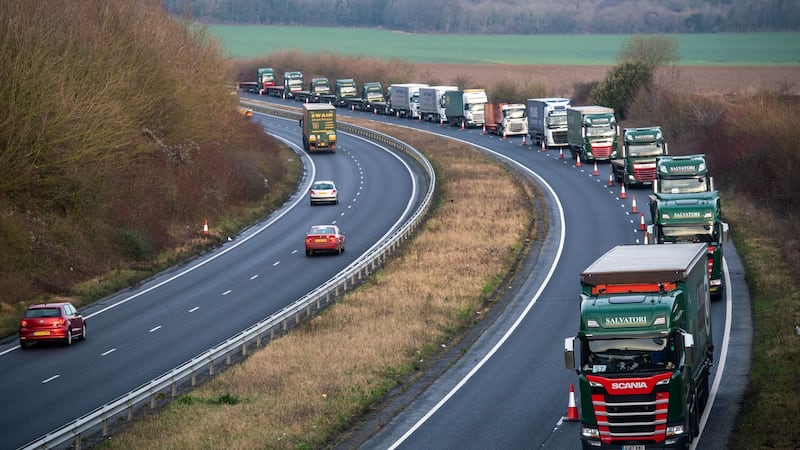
<point x="194" y="309"/>
<point x="50" y="379"/>
<point x="155" y="329"/>
<point x="108" y="352"/>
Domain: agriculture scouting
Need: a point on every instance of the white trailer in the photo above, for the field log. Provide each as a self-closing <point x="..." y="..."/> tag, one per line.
<point x="404" y="99"/>
<point x="431" y="104"/>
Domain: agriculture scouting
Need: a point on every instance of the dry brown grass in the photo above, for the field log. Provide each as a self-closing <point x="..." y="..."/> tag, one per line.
<point x="304" y="388"/>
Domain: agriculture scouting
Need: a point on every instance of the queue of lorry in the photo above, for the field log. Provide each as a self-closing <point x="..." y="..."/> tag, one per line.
<point x="643" y="352"/>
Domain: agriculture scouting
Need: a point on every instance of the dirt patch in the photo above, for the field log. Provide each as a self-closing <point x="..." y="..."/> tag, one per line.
<point x="561" y="80"/>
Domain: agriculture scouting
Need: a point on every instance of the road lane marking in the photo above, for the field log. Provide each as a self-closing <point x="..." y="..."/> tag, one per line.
<point x="108" y="352"/>
<point x="194" y="309"/>
<point x="50" y="379"/>
<point x="155" y="329"/>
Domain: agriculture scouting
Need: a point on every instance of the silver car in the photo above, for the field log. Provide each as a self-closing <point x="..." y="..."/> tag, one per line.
<point x="323" y="192"/>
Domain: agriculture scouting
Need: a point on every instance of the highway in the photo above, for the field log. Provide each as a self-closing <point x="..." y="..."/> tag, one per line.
<point x="508" y="390"/>
<point x="139" y="334"/>
<point x="511" y="390"/>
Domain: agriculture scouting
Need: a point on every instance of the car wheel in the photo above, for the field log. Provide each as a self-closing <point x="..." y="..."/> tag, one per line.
<point x="308" y="252"/>
<point x="83" y="332"/>
<point x="68" y="340"/>
<point x="24" y="344"/>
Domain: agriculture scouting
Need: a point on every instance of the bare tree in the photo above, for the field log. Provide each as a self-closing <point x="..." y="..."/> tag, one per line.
<point x="651" y="50"/>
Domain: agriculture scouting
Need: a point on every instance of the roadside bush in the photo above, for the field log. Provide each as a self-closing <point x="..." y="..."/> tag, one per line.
<point x="621" y="86"/>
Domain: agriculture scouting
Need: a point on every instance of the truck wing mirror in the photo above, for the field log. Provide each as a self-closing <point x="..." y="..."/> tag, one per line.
<point x="569" y="353"/>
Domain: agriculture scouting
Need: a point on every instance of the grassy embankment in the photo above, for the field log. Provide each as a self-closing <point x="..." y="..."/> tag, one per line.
<point x="118" y="140"/>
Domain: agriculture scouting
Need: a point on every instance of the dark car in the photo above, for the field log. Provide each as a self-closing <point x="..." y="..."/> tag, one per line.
<point x="59" y="322"/>
<point x="324" y="238"/>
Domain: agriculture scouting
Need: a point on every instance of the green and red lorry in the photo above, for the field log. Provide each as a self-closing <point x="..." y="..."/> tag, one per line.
<point x="644" y="347"/>
<point x="684" y="207"/>
<point x="319" y="127"/>
<point x="636" y="165"/>
<point x="592" y="133"/>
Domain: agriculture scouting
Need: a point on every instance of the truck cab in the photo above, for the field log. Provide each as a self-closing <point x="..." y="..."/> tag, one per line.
<point x="345" y="89"/>
<point x="292" y="83"/>
<point x="644" y="347"/>
<point x="640" y="148"/>
<point x="266" y="79"/>
<point x="547" y="121"/>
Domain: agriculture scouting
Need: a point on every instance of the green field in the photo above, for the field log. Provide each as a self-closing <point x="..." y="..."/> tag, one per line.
<point x="743" y="49"/>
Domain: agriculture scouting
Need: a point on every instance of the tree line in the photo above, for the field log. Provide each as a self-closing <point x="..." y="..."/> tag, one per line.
<point x="504" y="16"/>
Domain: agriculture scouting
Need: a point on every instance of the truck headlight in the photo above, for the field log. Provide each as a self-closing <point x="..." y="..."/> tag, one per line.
<point x="590" y="433"/>
<point x="332" y="137"/>
<point x="312" y="138"/>
<point x="675" y="430"/>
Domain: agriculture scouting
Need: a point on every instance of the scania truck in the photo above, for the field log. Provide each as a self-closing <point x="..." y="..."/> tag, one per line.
<point x="319" y="127"/>
<point x="592" y="133"/>
<point x="431" y="106"/>
<point x="678" y="175"/>
<point x="637" y="163"/>
<point x="644" y="347"/>
<point x="465" y="108"/>
<point x="547" y="121"/>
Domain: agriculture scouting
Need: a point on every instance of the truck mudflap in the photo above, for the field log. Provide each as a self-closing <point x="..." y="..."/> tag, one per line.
<point x="630" y="412"/>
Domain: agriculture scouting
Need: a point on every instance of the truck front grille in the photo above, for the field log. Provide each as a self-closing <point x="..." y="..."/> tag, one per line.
<point x="601" y="151"/>
<point x="644" y="173"/>
<point x="560" y="137"/>
<point x="631" y="417"/>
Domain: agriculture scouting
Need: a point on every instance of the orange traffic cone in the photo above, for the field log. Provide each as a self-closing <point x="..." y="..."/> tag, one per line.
<point x="595" y="172"/>
<point x="441" y="121"/>
<point x="374" y="111"/>
<point x="642" y="226"/>
<point x="523" y="140"/>
<point x="482" y="132"/>
<point x="578" y="161"/>
<point x="572" y="409"/>
<point x="205" y="227"/>
<point x="352" y="107"/>
<point x="561" y="153"/>
<point x="544" y="147"/>
<point x="634" y="210"/>
<point x="398" y="114"/>
<point x="462" y="124"/>
<point x="610" y="179"/>
<point x="622" y="192"/>
<point x="504" y="135"/>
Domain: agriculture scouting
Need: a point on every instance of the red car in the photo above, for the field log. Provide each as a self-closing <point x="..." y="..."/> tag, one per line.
<point x="324" y="238"/>
<point x="51" y="322"/>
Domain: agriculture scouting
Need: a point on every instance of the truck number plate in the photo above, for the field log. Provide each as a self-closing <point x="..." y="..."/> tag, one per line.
<point x="633" y="447"/>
